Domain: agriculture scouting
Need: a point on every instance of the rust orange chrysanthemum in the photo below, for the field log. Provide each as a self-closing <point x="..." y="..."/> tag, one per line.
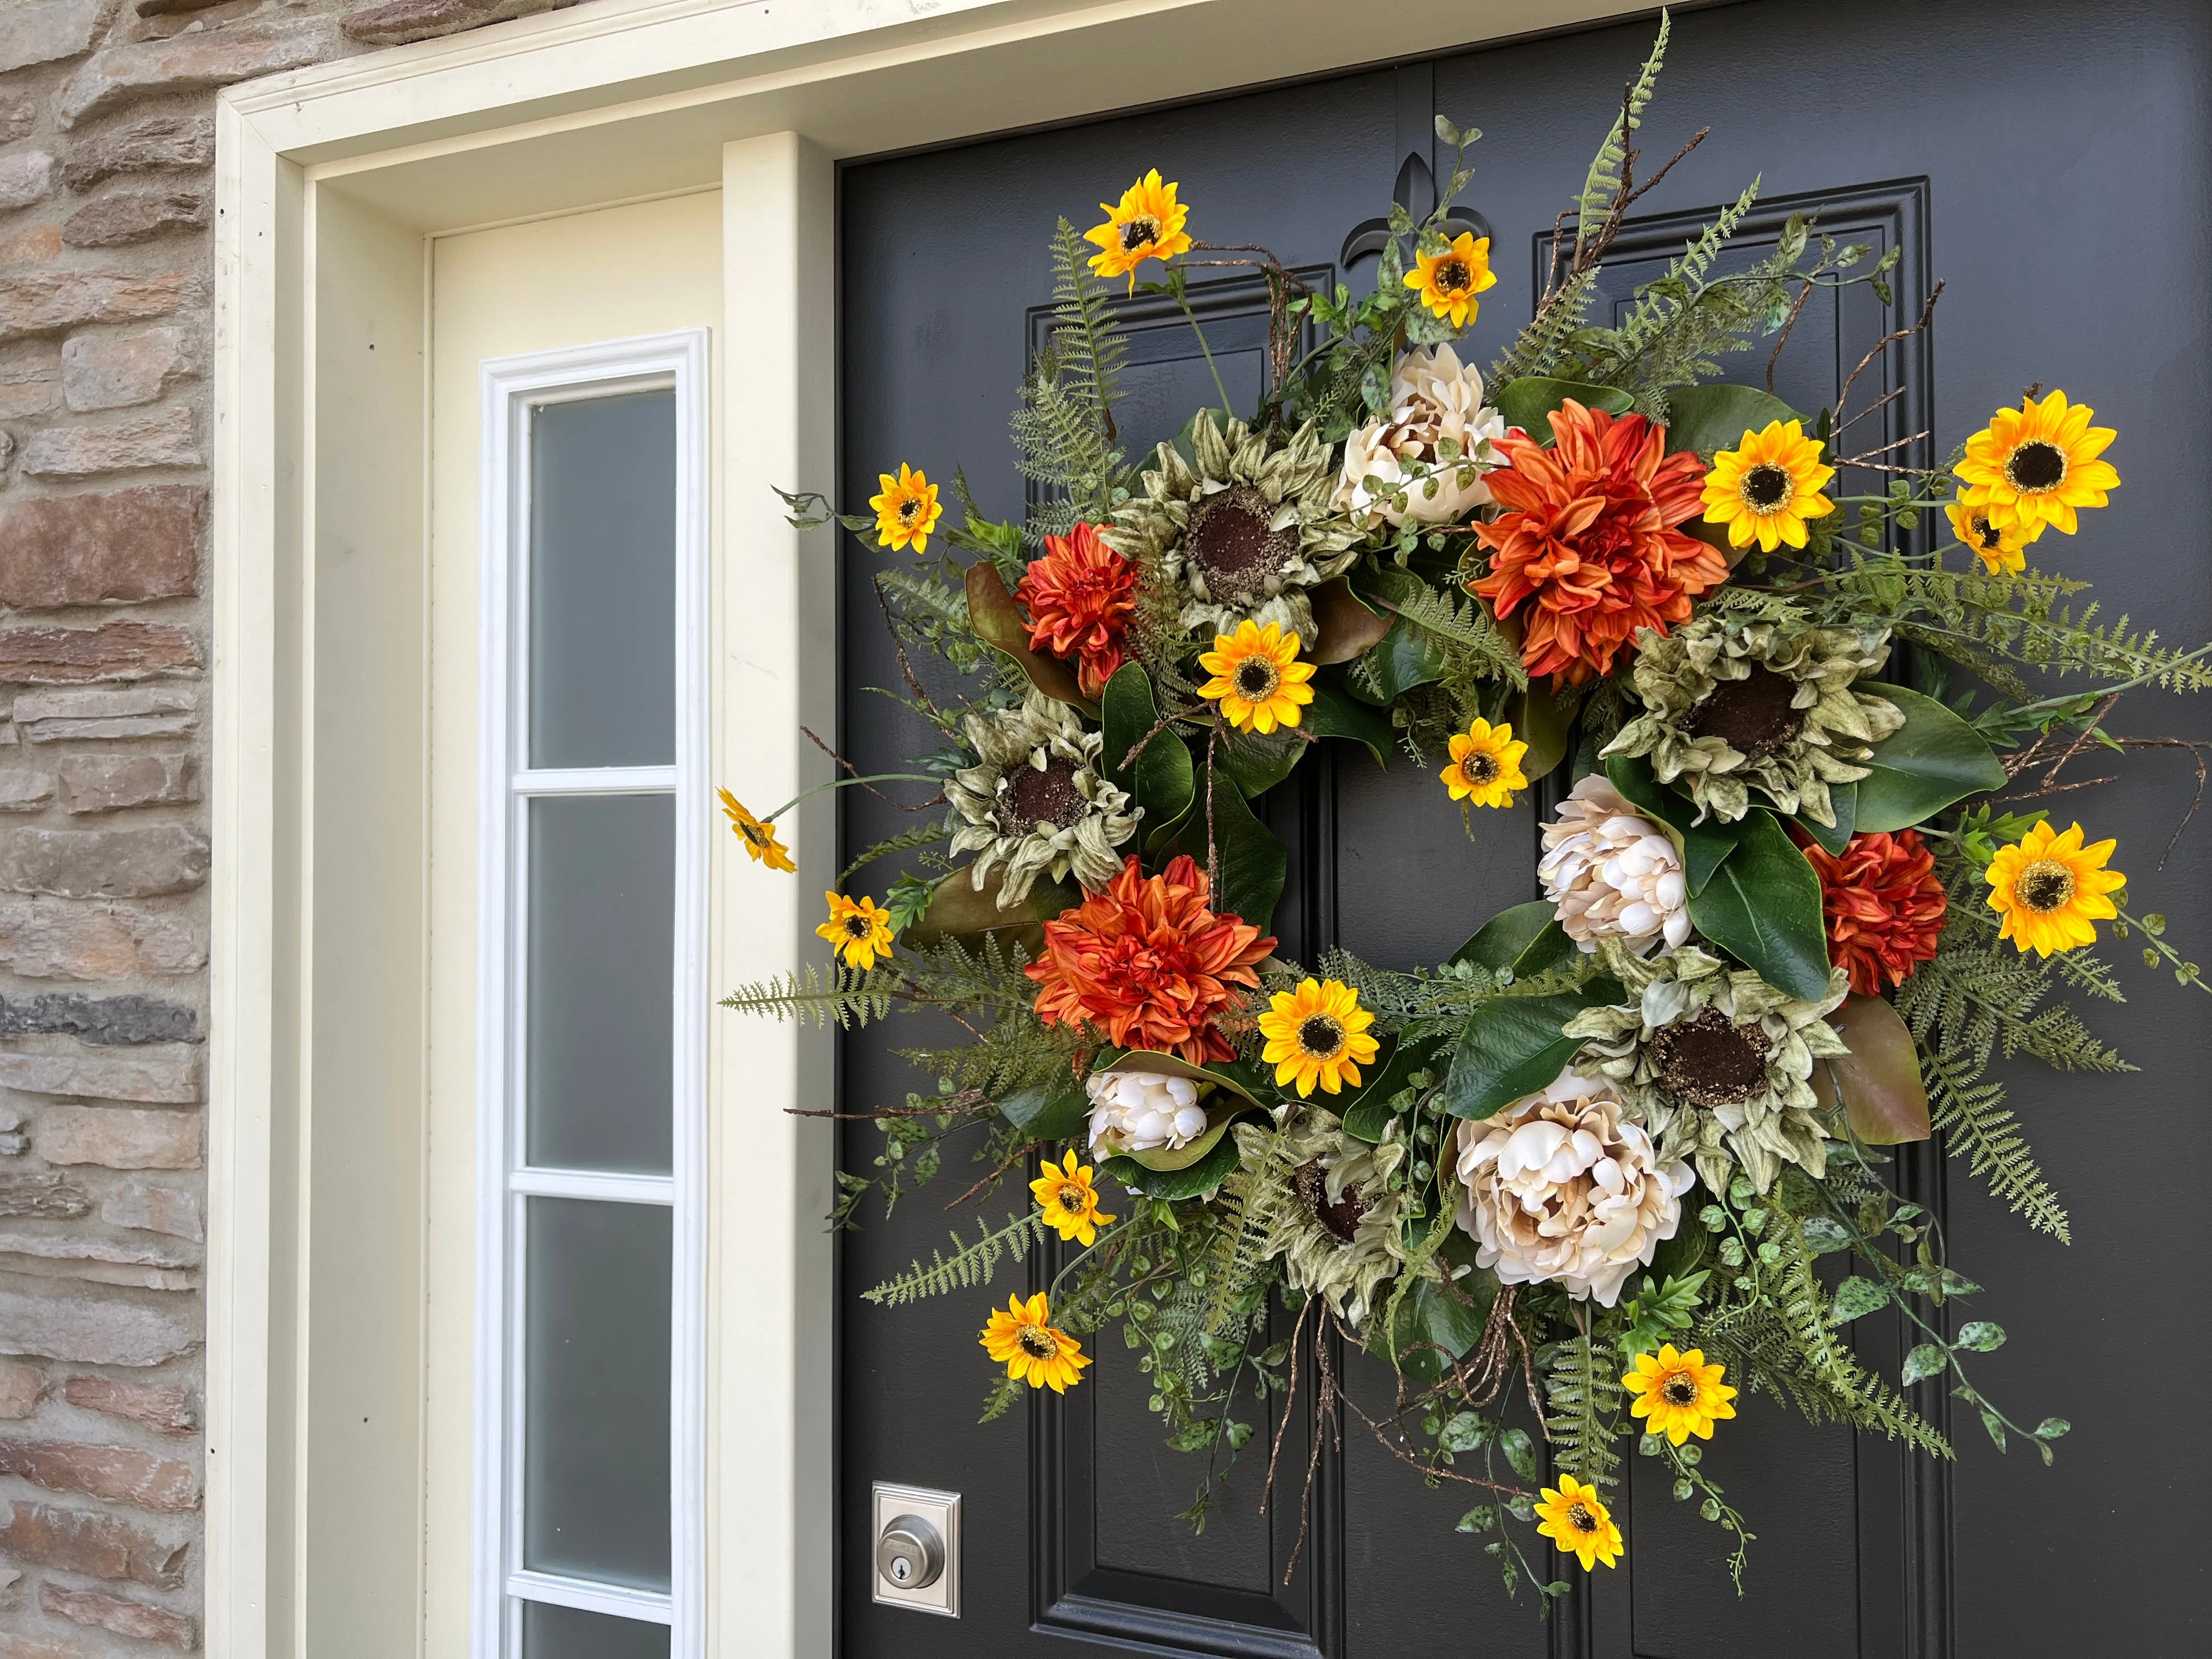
<point x="1145" y="964"/>
<point x="1585" y="539"/>
<point x="1079" y="598"/>
<point x="1884" y="905"/>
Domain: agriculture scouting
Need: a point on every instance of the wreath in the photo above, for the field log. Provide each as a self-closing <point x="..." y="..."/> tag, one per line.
<point x="1599" y="1155"/>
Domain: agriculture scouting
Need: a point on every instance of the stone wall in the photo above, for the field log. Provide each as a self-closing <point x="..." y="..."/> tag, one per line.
<point x="106" y="146"/>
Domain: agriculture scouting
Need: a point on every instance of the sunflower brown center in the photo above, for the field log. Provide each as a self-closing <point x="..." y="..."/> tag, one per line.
<point x="1047" y="796"/>
<point x="1073" y="1198"/>
<point x="1139" y="233"/>
<point x="1679" y="1390"/>
<point x="1037" y="1342"/>
<point x="2044" y="887"/>
<point x="909" y="509"/>
<point x="1711" y="1059"/>
<point x="856" y="927"/>
<point x="1766" y="487"/>
<point x="1480" y="768"/>
<point x="1752" y="716"/>
<point x="1987" y="534"/>
<point x="2036" y="466"/>
<point x="1580" y="1518"/>
<point x="1321" y="1035"/>
<point x="1256" y="679"/>
<point x="1342" y="1217"/>
<point x="1229" y="542"/>
<point x="1454" y="277"/>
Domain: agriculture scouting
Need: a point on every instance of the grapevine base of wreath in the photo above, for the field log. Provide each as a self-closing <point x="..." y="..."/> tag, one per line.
<point x="1596" y="1157"/>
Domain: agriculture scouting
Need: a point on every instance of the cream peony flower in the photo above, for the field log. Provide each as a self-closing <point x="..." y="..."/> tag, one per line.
<point x="1391" y="467"/>
<point x="1137" y="1111"/>
<point x="1611" y="871"/>
<point x="1558" y="1189"/>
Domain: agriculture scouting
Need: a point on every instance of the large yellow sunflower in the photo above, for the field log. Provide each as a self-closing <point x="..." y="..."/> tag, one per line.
<point x="906" y="511"/>
<point x="2050" y="889"/>
<point x="1576" y="1519"/>
<point x="1147" y="225"/>
<point x="2002" y="548"/>
<point x="1069" y="1201"/>
<point x="1767" y="489"/>
<point x="1317" y="1033"/>
<point x="1023" y="1339"/>
<point x="758" y="835"/>
<point x="1257" y="676"/>
<point x="1448" y="282"/>
<point x="2034" y="465"/>
<point x="858" y="929"/>
<point x="1486" y="764"/>
<point x="1681" y="1394"/>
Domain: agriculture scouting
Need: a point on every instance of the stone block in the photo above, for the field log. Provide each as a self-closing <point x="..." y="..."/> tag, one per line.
<point x="152" y="144"/>
<point x="46" y="1196"/>
<point x="166" y="1410"/>
<point x="122" y="1473"/>
<point x="22" y="1386"/>
<point x="124" y="1618"/>
<point x="33" y="245"/>
<point x="125" y="545"/>
<point x="26" y="177"/>
<point x="18" y="114"/>
<point x="50" y="939"/>
<point x="190" y="63"/>
<point x="11" y="1589"/>
<point x="77" y="1245"/>
<point x="164" y="439"/>
<point x="169" y="858"/>
<point x="402" y="21"/>
<point x="166" y="1075"/>
<point x="91" y="1330"/>
<point x="113" y="651"/>
<point x="127" y="1274"/>
<point x="107" y="783"/>
<point x="43" y="34"/>
<point x="24" y="791"/>
<point x="120" y="370"/>
<point x="136" y="711"/>
<point x="103" y="1021"/>
<point x="14" y="1645"/>
<point x="96" y="1545"/>
<point x="121" y="1138"/>
<point x="154" y="1209"/>
<point x="133" y="217"/>
<point x="30" y="377"/>
<point x="48" y="301"/>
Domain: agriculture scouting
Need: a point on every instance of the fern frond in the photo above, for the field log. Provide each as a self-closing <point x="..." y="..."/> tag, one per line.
<point x="849" y="996"/>
<point x="968" y="1266"/>
<point x="1255" y="1194"/>
<point x="1969" y="1114"/>
<point x="1602" y="183"/>
<point x="1088" y="340"/>
<point x="922" y="834"/>
<point x="1581" y="1397"/>
<point x="1467" y="626"/>
<point x="1537" y="349"/>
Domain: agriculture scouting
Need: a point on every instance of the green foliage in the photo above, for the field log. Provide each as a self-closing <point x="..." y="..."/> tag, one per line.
<point x="1969" y="1112"/>
<point x="1541" y="348"/>
<point x="849" y="997"/>
<point x="1582" y="1409"/>
<point x="968" y="1266"/>
<point x="1601" y="185"/>
<point x="1661" y="1313"/>
<point x="907" y="840"/>
<point x="1063" y="426"/>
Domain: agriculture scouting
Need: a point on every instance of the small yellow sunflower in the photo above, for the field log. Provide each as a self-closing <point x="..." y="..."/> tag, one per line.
<point x="2002" y="548"/>
<point x="1681" y="1394"/>
<point x="757" y="834"/>
<point x="1023" y="1339"/>
<point x="906" y="511"/>
<point x="1448" y="282"/>
<point x="1318" y="1031"/>
<point x="1257" y="676"/>
<point x="860" y="932"/>
<point x="1069" y="1201"/>
<point x="1576" y="1519"/>
<point x="1486" y="764"/>
<point x="1147" y="225"/>
<point x="2050" y="889"/>
<point x="1767" y="489"/>
<point x="2034" y="465"/>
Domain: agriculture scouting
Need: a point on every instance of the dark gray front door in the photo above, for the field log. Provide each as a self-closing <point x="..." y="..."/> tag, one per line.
<point x="2050" y="160"/>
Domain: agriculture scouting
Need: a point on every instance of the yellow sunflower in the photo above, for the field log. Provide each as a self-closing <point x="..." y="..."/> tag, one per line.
<point x="2002" y="548"/>
<point x="1679" y="1393"/>
<point x="860" y="930"/>
<point x="906" y="511"/>
<point x="1147" y="225"/>
<point x="1486" y="764"/>
<point x="1023" y="1339"/>
<point x="1767" y="489"/>
<point x="1448" y="282"/>
<point x="1257" y="676"/>
<point x="2050" y="889"/>
<point x="1318" y="1031"/>
<point x="757" y="834"/>
<point x="1069" y="1201"/>
<point x="2034" y="465"/>
<point x="1576" y="1519"/>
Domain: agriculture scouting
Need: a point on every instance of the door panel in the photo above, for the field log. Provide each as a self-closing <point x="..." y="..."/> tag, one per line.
<point x="2049" y="163"/>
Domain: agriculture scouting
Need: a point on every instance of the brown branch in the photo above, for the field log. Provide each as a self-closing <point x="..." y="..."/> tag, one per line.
<point x="1864" y="457"/>
<point x="937" y="800"/>
<point x="1885" y="398"/>
<point x="1796" y="311"/>
<point x="1888" y="340"/>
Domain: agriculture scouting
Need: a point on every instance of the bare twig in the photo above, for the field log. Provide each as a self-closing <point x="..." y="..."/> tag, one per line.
<point x="1886" y="341"/>
<point x="1796" y="311"/>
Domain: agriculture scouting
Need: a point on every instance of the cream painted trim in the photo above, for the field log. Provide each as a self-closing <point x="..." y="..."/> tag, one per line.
<point x="612" y="101"/>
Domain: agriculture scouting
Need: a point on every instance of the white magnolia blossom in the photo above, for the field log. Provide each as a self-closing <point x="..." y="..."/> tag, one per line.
<point x="1610" y="871"/>
<point x="1138" y="1111"/>
<point x="1558" y="1189"/>
<point x="1391" y="467"/>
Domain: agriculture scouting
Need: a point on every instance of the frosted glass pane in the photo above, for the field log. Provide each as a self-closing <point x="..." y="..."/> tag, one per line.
<point x="551" y="1632"/>
<point x="602" y="582"/>
<point x="595" y="1359"/>
<point x="600" y="1065"/>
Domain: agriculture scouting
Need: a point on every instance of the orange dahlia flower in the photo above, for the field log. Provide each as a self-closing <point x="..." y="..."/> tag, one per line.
<point x="1884" y="907"/>
<point x="1585" y="537"/>
<point x="1147" y="965"/>
<point x="1080" y="597"/>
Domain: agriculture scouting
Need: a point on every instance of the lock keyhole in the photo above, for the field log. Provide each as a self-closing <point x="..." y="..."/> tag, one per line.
<point x="910" y="1552"/>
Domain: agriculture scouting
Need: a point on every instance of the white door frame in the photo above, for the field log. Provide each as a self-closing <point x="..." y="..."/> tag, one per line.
<point x="330" y="181"/>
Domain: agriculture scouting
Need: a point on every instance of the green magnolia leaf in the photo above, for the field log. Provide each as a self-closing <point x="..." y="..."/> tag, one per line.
<point x="1857" y="1297"/>
<point x="1525" y="939"/>
<point x="1878" y="1084"/>
<point x="1258" y="761"/>
<point x="1763" y="906"/>
<point x="1545" y="723"/>
<point x="1705" y="846"/>
<point x="1715" y="416"/>
<point x="1344" y="624"/>
<point x="1192" y="1180"/>
<point x="1406" y="656"/>
<point x="956" y="910"/>
<point x="1163" y="780"/>
<point x="1366" y="1111"/>
<point x="1844" y="799"/>
<point x="1512" y="1047"/>
<point x="1236" y="1076"/>
<point x="1935" y="760"/>
<point x="1980" y="1336"/>
<point x="1254" y="864"/>
<point x="1448" y="1319"/>
<point x="1047" y="1114"/>
<point x="1528" y="402"/>
<point x="1929" y="1359"/>
<point x="1334" y="713"/>
<point x="998" y="621"/>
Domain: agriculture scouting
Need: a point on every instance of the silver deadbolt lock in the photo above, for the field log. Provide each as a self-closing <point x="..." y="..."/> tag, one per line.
<point x="917" y="1544"/>
<point x="910" y="1554"/>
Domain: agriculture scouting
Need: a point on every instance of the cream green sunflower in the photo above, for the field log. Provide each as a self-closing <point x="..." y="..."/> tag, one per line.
<point x="1329" y="1210"/>
<point x="1038" y="800"/>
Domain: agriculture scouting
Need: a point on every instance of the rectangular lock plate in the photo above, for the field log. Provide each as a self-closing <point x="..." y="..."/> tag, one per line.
<point x="941" y="1509"/>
